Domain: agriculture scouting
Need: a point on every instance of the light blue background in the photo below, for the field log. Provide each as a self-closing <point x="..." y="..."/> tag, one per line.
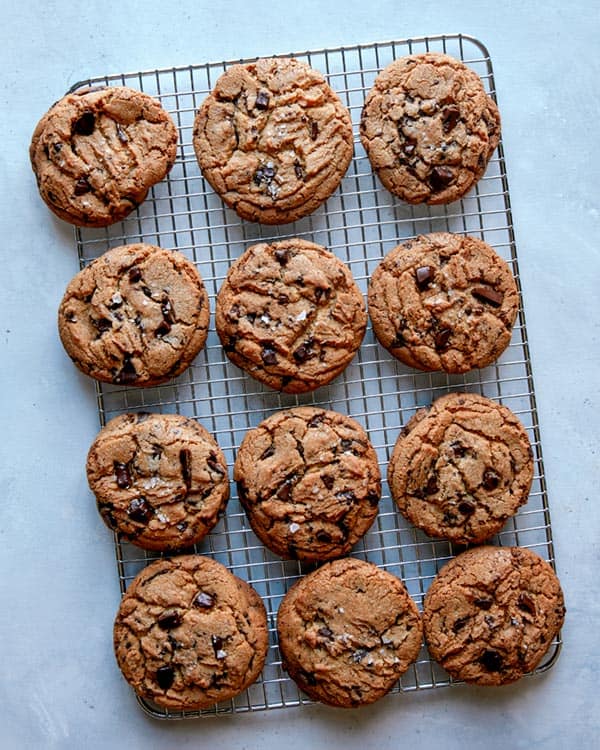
<point x="59" y="686"/>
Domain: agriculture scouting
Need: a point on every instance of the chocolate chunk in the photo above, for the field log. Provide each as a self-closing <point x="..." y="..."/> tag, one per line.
<point x="457" y="448"/>
<point x="408" y="146"/>
<point x="526" y="604"/>
<point x="264" y="175"/>
<point x="327" y="480"/>
<point x="134" y="274"/>
<point x="82" y="186"/>
<point x="85" y="123"/>
<point x="459" y="624"/>
<point x="372" y="498"/>
<point x="262" y="100"/>
<point x="326" y="633"/>
<point x="139" y="510"/>
<point x="217" y="644"/>
<point x="122" y="475"/>
<point x="323" y="536"/>
<point x="162" y="329"/>
<point x="233" y="314"/>
<point x="424" y="276"/>
<point x="398" y="341"/>
<point x="440" y="177"/>
<point x="348" y="496"/>
<point x="298" y="170"/>
<point x="204" y="601"/>
<point x="127" y="373"/>
<point x="316" y="420"/>
<point x="283" y="299"/>
<point x="169" y="620"/>
<point x="165" y="676"/>
<point x="282" y="256"/>
<point x="167" y="310"/>
<point x="489" y="295"/>
<point x="432" y="486"/>
<point x="269" y="356"/>
<point x="450" y="116"/>
<point x="442" y="338"/>
<point x="491" y="660"/>
<point x="314" y="130"/>
<point x="268" y="452"/>
<point x="467" y="507"/>
<point x="102" y="324"/>
<point x="359" y="655"/>
<point x="483" y="602"/>
<point x="490" y="480"/>
<point x="303" y="352"/>
<point x="121" y="134"/>
<point x="285" y="490"/>
<point x="214" y="465"/>
<point x="185" y="460"/>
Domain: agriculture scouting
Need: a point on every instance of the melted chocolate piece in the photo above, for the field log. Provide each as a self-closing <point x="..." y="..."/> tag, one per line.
<point x="262" y="100"/>
<point x="440" y="177"/>
<point x="450" y="116"/>
<point x="204" y="601"/>
<point x="489" y="295"/>
<point x="491" y="660"/>
<point x="165" y="676"/>
<point x="424" y="276"/>
<point x="82" y="186"/>
<point x="122" y="475"/>
<point x="185" y="459"/>
<point x="442" y="338"/>
<point x="85" y="123"/>
<point x="490" y="480"/>
<point x="269" y="356"/>
<point x="169" y="620"/>
<point x="139" y="510"/>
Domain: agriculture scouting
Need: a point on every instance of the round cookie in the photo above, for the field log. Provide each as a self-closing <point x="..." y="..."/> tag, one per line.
<point x="160" y="480"/>
<point x="491" y="613"/>
<point x="461" y="468"/>
<point x="137" y="315"/>
<point x="290" y="314"/>
<point x="97" y="152"/>
<point x="189" y="634"/>
<point x="347" y="632"/>
<point x="273" y="139"/>
<point x="443" y="302"/>
<point x="309" y="482"/>
<point x="429" y="128"/>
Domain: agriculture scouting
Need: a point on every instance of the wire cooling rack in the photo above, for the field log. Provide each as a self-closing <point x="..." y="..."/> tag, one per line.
<point x="360" y="223"/>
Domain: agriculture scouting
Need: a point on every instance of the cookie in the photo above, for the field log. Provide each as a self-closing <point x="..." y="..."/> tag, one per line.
<point x="491" y="614"/>
<point x="98" y="151"/>
<point x="461" y="468"/>
<point x="290" y="314"/>
<point x="160" y="480"/>
<point x="273" y="140"/>
<point x="137" y="315"/>
<point x="189" y="634"/>
<point x="429" y="128"/>
<point x="309" y="482"/>
<point x="347" y="632"/>
<point x="443" y="302"/>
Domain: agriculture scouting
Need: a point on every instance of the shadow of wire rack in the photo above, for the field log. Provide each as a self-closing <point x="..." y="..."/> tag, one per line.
<point x="360" y="223"/>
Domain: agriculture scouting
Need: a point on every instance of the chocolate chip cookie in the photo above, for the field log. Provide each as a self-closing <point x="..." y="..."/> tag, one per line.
<point x="290" y="314"/>
<point x="429" y="128"/>
<point x="273" y="139"/>
<point x="347" y="632"/>
<point x="160" y="480"/>
<point x="461" y="468"/>
<point x="137" y="315"/>
<point x="98" y="151"/>
<point x="309" y="482"/>
<point x="189" y="634"/>
<point x="491" y="613"/>
<point x="443" y="302"/>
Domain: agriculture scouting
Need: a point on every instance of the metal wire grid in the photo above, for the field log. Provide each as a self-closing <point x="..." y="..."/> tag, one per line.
<point x="361" y="222"/>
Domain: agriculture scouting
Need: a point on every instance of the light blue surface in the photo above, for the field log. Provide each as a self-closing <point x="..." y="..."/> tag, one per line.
<point x="59" y="684"/>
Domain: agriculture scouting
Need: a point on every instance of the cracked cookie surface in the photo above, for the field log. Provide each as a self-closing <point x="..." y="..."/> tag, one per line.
<point x="429" y="128"/>
<point x="443" y="302"/>
<point x="290" y="314"/>
<point x="137" y="315"/>
<point x="98" y="151"/>
<point x="491" y="613"/>
<point x="160" y="480"/>
<point x="347" y="632"/>
<point x="273" y="139"/>
<point x="309" y="482"/>
<point x="189" y="634"/>
<point x="461" y="468"/>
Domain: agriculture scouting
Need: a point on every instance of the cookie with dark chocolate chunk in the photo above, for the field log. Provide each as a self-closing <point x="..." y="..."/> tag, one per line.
<point x="137" y="316"/>
<point x="190" y="634"/>
<point x="160" y="480"/>
<point x="273" y="139"/>
<point x="429" y="128"/>
<point x="347" y="632"/>
<point x="290" y="314"/>
<point x="98" y="151"/>
<point x="491" y="614"/>
<point x="443" y="302"/>
<point x="461" y="468"/>
<point x="309" y="482"/>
